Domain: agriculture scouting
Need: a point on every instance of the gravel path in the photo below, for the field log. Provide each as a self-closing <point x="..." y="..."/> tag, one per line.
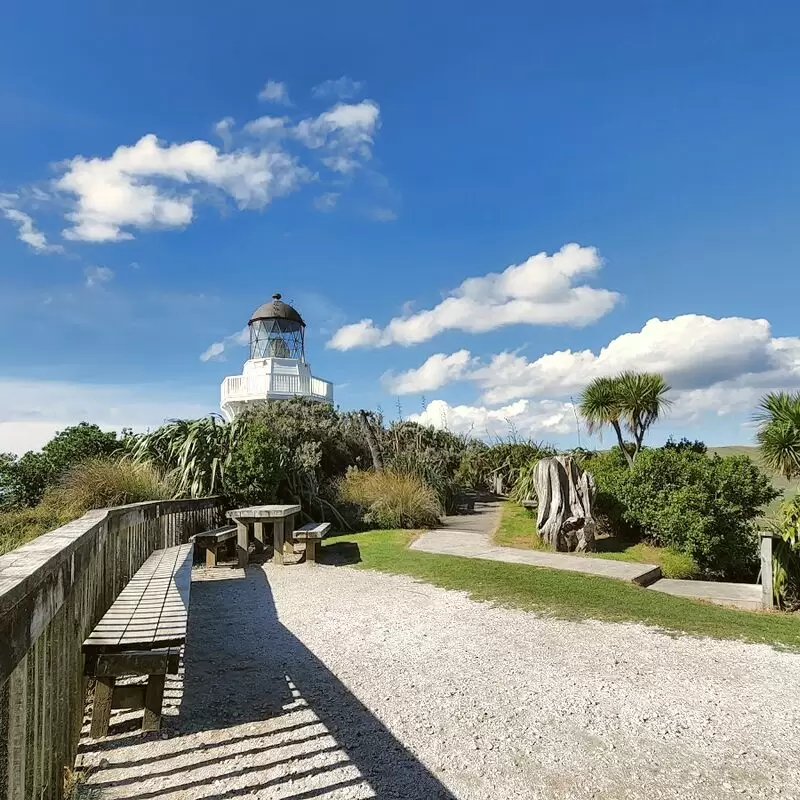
<point x="339" y="683"/>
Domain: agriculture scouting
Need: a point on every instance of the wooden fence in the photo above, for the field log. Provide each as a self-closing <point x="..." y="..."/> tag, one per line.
<point x="53" y="591"/>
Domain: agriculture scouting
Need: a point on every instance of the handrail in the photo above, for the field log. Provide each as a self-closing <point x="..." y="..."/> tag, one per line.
<point x="53" y="591"/>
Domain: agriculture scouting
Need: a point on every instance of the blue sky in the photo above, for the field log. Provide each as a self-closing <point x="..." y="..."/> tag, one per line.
<point x="366" y="160"/>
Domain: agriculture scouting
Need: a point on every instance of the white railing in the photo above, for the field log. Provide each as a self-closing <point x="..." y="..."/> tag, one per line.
<point x="254" y="387"/>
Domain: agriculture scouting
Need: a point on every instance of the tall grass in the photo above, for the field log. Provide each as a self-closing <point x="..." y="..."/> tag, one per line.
<point x="104" y="482"/>
<point x="19" y="526"/>
<point x="391" y="499"/>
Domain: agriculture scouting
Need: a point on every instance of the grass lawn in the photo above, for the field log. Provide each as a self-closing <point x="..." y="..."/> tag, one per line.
<point x="565" y="595"/>
<point x="517" y="528"/>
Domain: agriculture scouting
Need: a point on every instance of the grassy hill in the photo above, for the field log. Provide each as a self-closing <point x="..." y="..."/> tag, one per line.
<point x="787" y="487"/>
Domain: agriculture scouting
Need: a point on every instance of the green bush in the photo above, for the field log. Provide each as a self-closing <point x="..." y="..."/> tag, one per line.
<point x="256" y="466"/>
<point x="106" y="482"/>
<point x="391" y="499"/>
<point x="700" y="505"/>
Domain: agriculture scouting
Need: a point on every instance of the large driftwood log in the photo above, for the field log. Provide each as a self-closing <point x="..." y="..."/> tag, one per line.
<point x="566" y="496"/>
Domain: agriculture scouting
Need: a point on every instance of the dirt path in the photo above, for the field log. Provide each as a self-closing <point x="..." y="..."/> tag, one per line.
<point x="339" y="683"/>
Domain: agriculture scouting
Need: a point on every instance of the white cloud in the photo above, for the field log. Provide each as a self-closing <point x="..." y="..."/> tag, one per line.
<point x="97" y="276"/>
<point x="523" y="416"/>
<point x="437" y="371"/>
<point x="346" y="132"/>
<point x="215" y="350"/>
<point x="275" y="92"/>
<point x="692" y="351"/>
<point x="26" y="229"/>
<point x="151" y="184"/>
<point x="721" y="366"/>
<point x="343" y="88"/>
<point x="326" y="201"/>
<point x="267" y="126"/>
<point x="224" y="129"/>
<point x="540" y="291"/>
<point x="32" y="411"/>
<point x="382" y="214"/>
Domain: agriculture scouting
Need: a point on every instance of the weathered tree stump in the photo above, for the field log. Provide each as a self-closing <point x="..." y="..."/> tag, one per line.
<point x="566" y="495"/>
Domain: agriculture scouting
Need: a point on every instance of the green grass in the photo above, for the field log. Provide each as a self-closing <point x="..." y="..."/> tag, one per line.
<point x="566" y="595"/>
<point x="517" y="528"/>
<point x="673" y="564"/>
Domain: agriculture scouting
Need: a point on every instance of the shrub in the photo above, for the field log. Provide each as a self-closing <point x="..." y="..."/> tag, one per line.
<point x="391" y="499"/>
<point x="700" y="505"/>
<point x="105" y="482"/>
<point x="256" y="466"/>
<point x="196" y="451"/>
<point x="431" y="454"/>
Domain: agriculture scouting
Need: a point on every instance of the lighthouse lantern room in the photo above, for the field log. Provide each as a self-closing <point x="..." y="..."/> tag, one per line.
<point x="277" y="368"/>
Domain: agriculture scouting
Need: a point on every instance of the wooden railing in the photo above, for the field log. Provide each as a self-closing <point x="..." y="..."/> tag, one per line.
<point x="53" y="591"/>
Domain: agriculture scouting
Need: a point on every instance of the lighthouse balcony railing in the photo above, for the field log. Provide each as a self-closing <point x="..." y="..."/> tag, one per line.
<point x="255" y="387"/>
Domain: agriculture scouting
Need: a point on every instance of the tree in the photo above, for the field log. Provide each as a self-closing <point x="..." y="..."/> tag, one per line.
<point x="24" y="479"/>
<point x="633" y="400"/>
<point x="778" y="435"/>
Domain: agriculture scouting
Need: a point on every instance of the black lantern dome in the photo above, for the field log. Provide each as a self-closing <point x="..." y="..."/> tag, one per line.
<point x="277" y="331"/>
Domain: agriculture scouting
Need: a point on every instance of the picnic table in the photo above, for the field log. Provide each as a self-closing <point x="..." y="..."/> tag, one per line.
<point x="279" y="516"/>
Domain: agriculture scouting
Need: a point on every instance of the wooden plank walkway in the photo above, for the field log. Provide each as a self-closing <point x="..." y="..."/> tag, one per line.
<point x="152" y="610"/>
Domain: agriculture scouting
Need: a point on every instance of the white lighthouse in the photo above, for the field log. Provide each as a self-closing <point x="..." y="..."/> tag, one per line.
<point x="277" y="367"/>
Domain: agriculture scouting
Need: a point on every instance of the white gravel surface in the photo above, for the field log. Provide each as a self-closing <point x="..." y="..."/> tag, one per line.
<point x="367" y="685"/>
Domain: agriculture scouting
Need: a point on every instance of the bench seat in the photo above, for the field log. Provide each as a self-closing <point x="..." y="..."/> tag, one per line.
<point x="312" y="534"/>
<point x="212" y="540"/>
<point x="141" y="634"/>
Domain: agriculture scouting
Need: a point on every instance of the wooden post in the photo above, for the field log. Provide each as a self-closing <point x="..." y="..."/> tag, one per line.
<point x="311" y="552"/>
<point x="101" y="709"/>
<point x="241" y="542"/>
<point x="277" y="541"/>
<point x="766" y="569"/>
<point x="153" y="698"/>
<point x="211" y="555"/>
<point x="258" y="534"/>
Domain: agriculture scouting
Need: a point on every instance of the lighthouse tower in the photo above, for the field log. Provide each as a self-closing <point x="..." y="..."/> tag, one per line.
<point x="277" y="367"/>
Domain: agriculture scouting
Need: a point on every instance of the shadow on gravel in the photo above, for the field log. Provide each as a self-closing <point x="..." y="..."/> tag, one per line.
<point x="260" y="716"/>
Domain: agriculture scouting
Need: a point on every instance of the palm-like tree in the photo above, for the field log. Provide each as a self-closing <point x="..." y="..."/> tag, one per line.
<point x="634" y="400"/>
<point x="599" y="406"/>
<point x="778" y="435"/>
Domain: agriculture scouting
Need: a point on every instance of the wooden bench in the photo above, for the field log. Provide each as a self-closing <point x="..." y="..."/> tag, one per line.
<point x="211" y="541"/>
<point x="141" y="634"/>
<point x="312" y="534"/>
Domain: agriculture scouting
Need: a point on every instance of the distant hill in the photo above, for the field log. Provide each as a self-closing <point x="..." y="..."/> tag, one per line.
<point x="787" y="487"/>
